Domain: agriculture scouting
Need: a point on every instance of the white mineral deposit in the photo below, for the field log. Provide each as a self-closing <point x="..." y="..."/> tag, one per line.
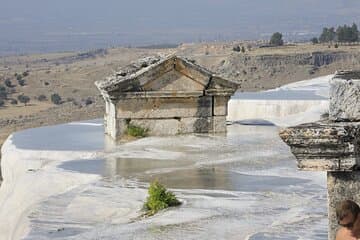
<point x="59" y="182"/>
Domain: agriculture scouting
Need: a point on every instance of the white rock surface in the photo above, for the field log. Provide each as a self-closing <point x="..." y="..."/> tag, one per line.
<point x="345" y="96"/>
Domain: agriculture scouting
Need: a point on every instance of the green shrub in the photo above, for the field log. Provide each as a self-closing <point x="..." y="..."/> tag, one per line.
<point x="236" y="48"/>
<point x="42" y="98"/>
<point x="314" y="40"/>
<point x="56" y="99"/>
<point x="8" y="83"/>
<point x="21" y="82"/>
<point x="23" y="99"/>
<point x="136" y="131"/>
<point x="276" y="39"/>
<point x="3" y="92"/>
<point x="159" y="198"/>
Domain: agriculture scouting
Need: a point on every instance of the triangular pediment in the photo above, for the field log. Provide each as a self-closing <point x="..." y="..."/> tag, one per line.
<point x="170" y="74"/>
<point x="174" y="74"/>
<point x="173" y="81"/>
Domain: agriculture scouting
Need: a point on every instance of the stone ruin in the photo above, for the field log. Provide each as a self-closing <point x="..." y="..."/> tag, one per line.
<point x="333" y="145"/>
<point x="167" y="96"/>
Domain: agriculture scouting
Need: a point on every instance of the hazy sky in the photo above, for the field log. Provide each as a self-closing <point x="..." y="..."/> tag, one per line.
<point x="155" y="21"/>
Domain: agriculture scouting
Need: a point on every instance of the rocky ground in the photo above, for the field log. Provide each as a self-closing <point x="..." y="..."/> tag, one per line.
<point x="71" y="75"/>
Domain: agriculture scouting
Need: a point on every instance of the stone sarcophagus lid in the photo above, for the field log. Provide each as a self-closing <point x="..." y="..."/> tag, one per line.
<point x="333" y="145"/>
<point x="167" y="96"/>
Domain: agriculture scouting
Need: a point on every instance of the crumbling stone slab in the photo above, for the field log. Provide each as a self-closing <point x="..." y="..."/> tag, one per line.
<point x="325" y="145"/>
<point x="157" y="108"/>
<point x="163" y="127"/>
<point x="345" y="96"/>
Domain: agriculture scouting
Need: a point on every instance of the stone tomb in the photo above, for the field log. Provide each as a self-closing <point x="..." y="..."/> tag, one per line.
<point x="166" y="95"/>
<point x="333" y="145"/>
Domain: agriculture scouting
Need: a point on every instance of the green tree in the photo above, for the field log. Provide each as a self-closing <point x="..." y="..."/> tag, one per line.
<point x="355" y="33"/>
<point x="236" y="48"/>
<point x="8" y="83"/>
<point x="56" y="99"/>
<point x="42" y="98"/>
<point x="276" y="39"/>
<point x="314" y="40"/>
<point x="327" y="35"/>
<point x="23" y="99"/>
<point x="347" y="34"/>
<point x="3" y="92"/>
<point x="21" y="82"/>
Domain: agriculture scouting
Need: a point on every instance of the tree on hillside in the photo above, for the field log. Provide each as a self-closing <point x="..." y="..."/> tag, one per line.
<point x="3" y="92"/>
<point x="276" y="39"/>
<point x="327" y="35"/>
<point x="23" y="99"/>
<point x="56" y="99"/>
<point x="355" y="32"/>
<point x="347" y="34"/>
<point x="21" y="82"/>
<point x="314" y="40"/>
<point x="8" y="83"/>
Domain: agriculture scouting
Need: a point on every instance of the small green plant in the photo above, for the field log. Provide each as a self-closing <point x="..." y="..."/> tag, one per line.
<point x="56" y="99"/>
<point x="276" y="39"/>
<point x="136" y="131"/>
<point x="314" y="40"/>
<point x="42" y="98"/>
<point x="23" y="99"/>
<point x="236" y="48"/>
<point x="21" y="82"/>
<point x="159" y="198"/>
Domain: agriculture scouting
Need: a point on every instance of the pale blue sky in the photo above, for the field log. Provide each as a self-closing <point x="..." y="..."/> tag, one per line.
<point x="139" y="22"/>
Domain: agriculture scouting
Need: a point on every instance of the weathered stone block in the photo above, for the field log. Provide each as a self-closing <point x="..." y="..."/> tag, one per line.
<point x="341" y="186"/>
<point x="159" y="127"/>
<point x="219" y="124"/>
<point x="141" y="108"/>
<point x="326" y="145"/>
<point x="345" y="96"/>
<point x="220" y="106"/>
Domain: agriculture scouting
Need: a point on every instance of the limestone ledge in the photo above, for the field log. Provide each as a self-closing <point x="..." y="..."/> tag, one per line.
<point x="324" y="145"/>
<point x="345" y="96"/>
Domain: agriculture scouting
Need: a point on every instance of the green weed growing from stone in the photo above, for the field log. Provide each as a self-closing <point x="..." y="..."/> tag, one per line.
<point x="136" y="131"/>
<point x="159" y="198"/>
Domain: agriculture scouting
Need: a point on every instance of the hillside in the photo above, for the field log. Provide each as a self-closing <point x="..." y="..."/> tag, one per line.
<point x="72" y="75"/>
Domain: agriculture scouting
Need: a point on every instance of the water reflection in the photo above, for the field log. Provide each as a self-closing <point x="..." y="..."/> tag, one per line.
<point x="77" y="136"/>
<point x="198" y="161"/>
